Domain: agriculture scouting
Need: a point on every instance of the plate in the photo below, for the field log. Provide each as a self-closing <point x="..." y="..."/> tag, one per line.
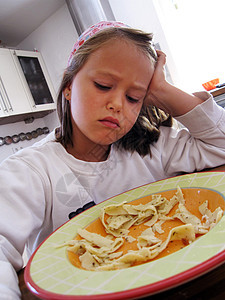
<point x="50" y="275"/>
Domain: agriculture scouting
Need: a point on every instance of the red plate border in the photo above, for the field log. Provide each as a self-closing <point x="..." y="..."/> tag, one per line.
<point x="147" y="290"/>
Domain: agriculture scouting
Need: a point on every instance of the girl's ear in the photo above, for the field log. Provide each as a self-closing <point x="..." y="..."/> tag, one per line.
<point x="67" y="93"/>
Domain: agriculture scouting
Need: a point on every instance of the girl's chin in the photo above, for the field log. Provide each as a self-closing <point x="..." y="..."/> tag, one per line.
<point x="107" y="140"/>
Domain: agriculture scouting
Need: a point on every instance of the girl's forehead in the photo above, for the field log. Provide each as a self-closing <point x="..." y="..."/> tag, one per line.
<point x="119" y="49"/>
<point x="119" y="59"/>
<point x="116" y="46"/>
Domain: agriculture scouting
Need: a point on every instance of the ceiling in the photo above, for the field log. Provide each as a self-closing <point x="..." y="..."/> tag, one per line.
<point x="19" y="18"/>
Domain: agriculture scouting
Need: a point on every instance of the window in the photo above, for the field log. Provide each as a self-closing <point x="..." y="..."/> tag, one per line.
<point x="194" y="30"/>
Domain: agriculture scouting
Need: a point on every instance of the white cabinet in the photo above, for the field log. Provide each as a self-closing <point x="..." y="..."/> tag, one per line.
<point x="13" y="98"/>
<point x="34" y="75"/>
<point x="25" y="86"/>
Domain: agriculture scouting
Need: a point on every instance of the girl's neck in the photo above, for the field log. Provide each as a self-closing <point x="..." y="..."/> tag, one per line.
<point x="95" y="154"/>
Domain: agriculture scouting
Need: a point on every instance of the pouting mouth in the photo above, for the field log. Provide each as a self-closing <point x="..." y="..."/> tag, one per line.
<point x="110" y="120"/>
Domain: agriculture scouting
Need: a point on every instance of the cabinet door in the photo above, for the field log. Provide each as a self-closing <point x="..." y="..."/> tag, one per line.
<point x="34" y="74"/>
<point x="13" y="98"/>
<point x="3" y="107"/>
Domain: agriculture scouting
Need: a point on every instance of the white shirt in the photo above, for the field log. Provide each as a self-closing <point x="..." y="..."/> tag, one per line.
<point x="43" y="184"/>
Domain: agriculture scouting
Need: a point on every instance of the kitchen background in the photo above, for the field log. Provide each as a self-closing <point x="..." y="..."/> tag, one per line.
<point x="188" y="31"/>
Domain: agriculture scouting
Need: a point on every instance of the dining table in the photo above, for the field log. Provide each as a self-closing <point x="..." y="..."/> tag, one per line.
<point x="210" y="285"/>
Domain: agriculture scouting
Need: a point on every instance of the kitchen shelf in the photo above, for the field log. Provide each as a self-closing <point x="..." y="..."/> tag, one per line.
<point x="23" y="117"/>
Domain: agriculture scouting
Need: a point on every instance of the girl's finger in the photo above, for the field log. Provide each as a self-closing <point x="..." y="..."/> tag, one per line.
<point x="161" y="57"/>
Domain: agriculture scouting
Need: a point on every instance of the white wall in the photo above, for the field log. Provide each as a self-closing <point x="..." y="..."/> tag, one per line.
<point x="17" y="128"/>
<point x="141" y="14"/>
<point x="54" y="39"/>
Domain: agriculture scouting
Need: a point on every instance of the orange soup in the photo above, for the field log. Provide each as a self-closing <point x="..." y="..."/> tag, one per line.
<point x="194" y="197"/>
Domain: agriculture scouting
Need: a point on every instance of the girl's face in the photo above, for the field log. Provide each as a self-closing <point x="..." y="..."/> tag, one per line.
<point x="107" y="94"/>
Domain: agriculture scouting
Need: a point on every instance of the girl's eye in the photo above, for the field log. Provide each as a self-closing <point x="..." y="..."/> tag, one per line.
<point x="102" y="87"/>
<point x="132" y="100"/>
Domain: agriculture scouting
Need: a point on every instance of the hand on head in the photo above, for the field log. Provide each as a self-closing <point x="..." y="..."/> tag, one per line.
<point x="167" y="97"/>
<point x="158" y="82"/>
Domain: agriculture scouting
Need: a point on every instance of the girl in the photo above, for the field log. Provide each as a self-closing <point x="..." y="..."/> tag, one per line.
<point x="115" y="110"/>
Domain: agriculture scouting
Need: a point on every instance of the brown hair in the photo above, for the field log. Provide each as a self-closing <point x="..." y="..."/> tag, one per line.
<point x="146" y="129"/>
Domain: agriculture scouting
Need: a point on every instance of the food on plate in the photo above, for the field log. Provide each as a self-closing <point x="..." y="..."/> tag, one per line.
<point x="119" y="221"/>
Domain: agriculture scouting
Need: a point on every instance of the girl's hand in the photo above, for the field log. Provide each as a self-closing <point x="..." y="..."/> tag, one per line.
<point x="157" y="82"/>
<point x="158" y="78"/>
<point x="166" y="96"/>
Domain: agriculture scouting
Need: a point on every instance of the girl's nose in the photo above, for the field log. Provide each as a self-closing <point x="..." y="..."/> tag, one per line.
<point x="115" y="104"/>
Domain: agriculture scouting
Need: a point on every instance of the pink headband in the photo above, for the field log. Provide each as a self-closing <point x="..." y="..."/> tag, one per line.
<point x="92" y="31"/>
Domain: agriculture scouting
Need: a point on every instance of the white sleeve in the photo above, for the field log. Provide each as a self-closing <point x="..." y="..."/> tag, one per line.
<point x="22" y="212"/>
<point x="200" y="145"/>
<point x="9" y="282"/>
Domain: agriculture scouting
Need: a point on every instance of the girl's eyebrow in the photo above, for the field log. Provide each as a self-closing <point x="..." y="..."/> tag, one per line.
<point x="136" y="85"/>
